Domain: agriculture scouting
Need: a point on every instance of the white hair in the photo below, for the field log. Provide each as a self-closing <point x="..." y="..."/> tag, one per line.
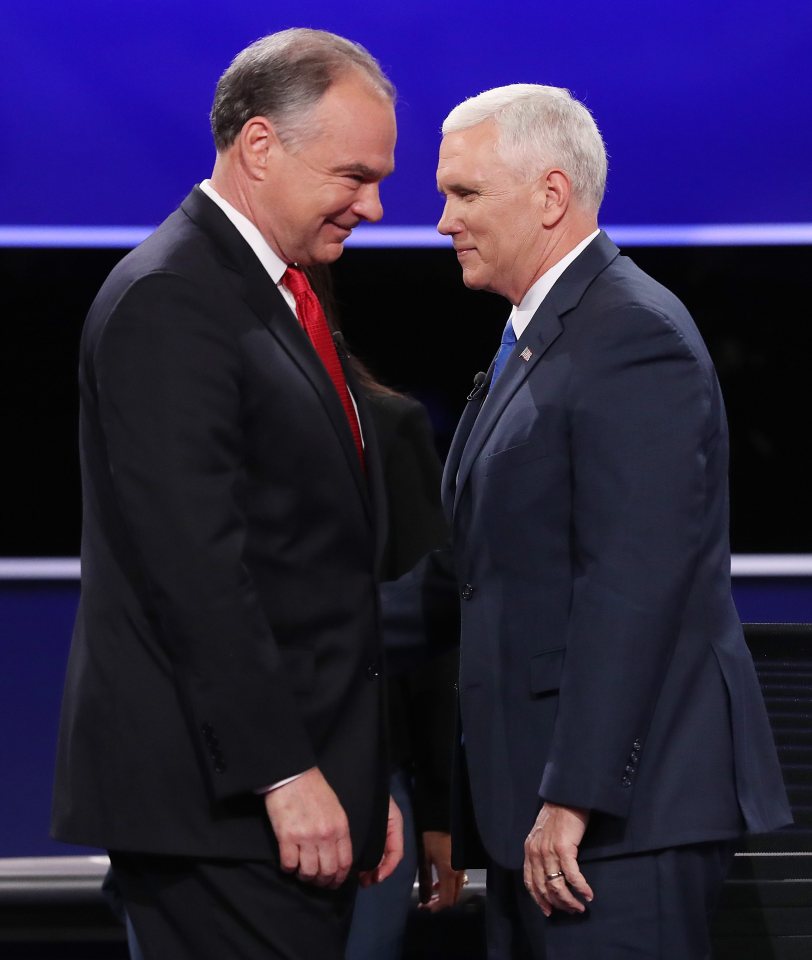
<point x="541" y="127"/>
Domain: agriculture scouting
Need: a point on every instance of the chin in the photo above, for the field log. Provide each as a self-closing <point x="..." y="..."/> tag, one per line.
<point x="470" y="280"/>
<point x="327" y="253"/>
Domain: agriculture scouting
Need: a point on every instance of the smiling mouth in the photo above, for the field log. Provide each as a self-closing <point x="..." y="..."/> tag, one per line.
<point x="344" y="228"/>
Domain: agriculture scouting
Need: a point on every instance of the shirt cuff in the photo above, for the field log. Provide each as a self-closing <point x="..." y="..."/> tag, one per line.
<point x="263" y="790"/>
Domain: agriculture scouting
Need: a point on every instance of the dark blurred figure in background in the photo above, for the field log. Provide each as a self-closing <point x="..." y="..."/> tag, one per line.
<point x="422" y="698"/>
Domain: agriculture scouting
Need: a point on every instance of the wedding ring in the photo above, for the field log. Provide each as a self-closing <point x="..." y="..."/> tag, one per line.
<point x="554" y="876"/>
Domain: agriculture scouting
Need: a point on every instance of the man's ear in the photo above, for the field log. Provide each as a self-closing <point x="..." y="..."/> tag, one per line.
<point x="258" y="145"/>
<point x="554" y="190"/>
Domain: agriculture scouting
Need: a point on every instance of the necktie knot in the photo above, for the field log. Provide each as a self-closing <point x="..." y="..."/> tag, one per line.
<point x="508" y="334"/>
<point x="295" y="280"/>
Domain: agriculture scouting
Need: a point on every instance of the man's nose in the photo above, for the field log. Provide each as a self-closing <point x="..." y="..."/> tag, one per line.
<point x="368" y="204"/>
<point x="448" y="223"/>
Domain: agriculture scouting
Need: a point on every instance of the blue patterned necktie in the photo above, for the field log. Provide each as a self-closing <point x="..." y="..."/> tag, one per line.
<point x="505" y="350"/>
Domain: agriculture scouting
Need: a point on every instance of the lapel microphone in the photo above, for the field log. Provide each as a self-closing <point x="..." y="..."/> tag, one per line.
<point x="479" y="380"/>
<point x="341" y="345"/>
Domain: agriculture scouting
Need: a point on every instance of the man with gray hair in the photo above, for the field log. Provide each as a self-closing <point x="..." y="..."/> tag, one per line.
<point x="614" y="738"/>
<point x="222" y="729"/>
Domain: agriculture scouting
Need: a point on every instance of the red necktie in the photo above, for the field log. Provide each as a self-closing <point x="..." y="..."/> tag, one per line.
<point x="311" y="316"/>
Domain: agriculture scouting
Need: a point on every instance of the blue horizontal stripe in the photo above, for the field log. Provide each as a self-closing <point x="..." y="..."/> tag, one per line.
<point x="631" y="235"/>
<point x="742" y="565"/>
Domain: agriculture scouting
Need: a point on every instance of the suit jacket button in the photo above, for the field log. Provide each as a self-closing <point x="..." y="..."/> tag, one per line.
<point x="373" y="672"/>
<point x="467" y="591"/>
<point x="626" y="781"/>
<point x="629" y="768"/>
<point x="636" y="745"/>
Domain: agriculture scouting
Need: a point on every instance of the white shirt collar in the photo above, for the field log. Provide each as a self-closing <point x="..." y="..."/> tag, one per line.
<point x="532" y="300"/>
<point x="250" y="233"/>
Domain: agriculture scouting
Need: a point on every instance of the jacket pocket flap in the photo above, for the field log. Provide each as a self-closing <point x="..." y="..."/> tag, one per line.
<point x="511" y="457"/>
<point x="545" y="671"/>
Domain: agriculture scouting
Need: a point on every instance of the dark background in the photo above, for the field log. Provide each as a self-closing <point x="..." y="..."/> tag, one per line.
<point x="408" y="315"/>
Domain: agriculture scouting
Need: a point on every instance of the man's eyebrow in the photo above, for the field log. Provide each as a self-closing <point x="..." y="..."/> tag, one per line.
<point x="361" y="170"/>
<point x="455" y="188"/>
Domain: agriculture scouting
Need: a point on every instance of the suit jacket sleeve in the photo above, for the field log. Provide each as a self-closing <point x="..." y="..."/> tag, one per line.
<point x="641" y="424"/>
<point x="167" y="375"/>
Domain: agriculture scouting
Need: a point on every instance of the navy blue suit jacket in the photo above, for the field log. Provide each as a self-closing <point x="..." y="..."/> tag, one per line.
<point x="602" y="660"/>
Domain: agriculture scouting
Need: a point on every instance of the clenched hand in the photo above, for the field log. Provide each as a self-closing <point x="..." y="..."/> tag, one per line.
<point x="312" y="830"/>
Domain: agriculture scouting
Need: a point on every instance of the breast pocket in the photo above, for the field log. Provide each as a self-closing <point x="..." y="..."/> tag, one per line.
<point x="514" y="457"/>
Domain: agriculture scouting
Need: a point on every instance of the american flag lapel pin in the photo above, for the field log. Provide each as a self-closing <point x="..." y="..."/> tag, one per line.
<point x="526" y="354"/>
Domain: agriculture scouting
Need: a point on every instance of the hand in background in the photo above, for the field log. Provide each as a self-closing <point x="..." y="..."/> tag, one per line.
<point x="393" y="849"/>
<point x="445" y="890"/>
<point x="312" y="830"/>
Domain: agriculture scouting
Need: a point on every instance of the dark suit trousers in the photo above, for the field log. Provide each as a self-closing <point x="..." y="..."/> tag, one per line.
<point x="241" y="910"/>
<point x="650" y="906"/>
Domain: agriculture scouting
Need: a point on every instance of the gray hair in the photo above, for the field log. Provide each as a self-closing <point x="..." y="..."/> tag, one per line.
<point x="282" y="76"/>
<point x="541" y="127"/>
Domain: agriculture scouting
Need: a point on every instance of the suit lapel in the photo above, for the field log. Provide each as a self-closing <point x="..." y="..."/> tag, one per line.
<point x="542" y="331"/>
<point x="268" y="304"/>
<point x="265" y="300"/>
<point x="452" y="463"/>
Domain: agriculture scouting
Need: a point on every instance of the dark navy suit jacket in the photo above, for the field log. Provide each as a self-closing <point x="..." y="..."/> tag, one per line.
<point x="602" y="660"/>
<point x="228" y="632"/>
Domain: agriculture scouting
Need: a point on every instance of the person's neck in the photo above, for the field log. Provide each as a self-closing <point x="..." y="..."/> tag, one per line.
<point x="231" y="189"/>
<point x="560" y="241"/>
<point x="236" y="190"/>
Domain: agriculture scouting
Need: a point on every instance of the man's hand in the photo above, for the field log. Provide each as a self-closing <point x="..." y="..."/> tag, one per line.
<point x="551" y="871"/>
<point x="444" y="891"/>
<point x="312" y="830"/>
<point x="392" y="852"/>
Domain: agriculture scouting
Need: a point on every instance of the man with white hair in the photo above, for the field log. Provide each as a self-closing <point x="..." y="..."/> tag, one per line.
<point x="614" y="738"/>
